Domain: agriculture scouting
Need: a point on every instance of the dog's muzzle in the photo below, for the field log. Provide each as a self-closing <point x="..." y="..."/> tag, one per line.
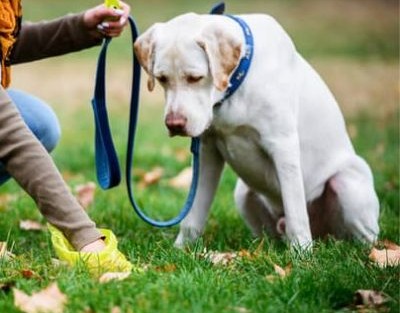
<point x="176" y="124"/>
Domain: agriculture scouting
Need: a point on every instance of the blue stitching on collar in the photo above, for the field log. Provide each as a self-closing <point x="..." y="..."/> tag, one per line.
<point x="242" y="69"/>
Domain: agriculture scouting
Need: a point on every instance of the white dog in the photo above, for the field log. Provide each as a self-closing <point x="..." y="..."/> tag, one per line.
<point x="281" y="131"/>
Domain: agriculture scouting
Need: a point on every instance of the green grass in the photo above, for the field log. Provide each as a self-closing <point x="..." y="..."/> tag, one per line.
<point x="182" y="281"/>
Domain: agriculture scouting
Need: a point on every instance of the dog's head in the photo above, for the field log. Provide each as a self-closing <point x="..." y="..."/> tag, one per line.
<point x="192" y="57"/>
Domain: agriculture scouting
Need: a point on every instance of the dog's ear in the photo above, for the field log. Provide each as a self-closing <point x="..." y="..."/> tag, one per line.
<point x="144" y="51"/>
<point x="223" y="51"/>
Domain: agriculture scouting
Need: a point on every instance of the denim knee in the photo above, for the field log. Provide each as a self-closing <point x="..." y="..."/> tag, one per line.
<point x="39" y="117"/>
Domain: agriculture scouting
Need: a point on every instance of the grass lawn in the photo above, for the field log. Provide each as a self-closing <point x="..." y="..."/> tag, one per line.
<point x="355" y="48"/>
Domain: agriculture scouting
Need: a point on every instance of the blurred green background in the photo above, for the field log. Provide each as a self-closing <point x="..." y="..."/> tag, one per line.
<point x="354" y="44"/>
<point x="357" y="28"/>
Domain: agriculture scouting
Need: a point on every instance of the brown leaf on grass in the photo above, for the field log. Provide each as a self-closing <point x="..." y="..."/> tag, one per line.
<point x="183" y="180"/>
<point x="181" y="154"/>
<point x="166" y="268"/>
<point x="226" y="258"/>
<point x="390" y="245"/>
<point x="279" y="272"/>
<point x="31" y="225"/>
<point x="4" y="253"/>
<point x="29" y="274"/>
<point x="85" y="194"/>
<point x="259" y="250"/>
<point x="152" y="177"/>
<point x="220" y="258"/>
<point x="389" y="256"/>
<point x="245" y="254"/>
<point x="109" y="276"/>
<point x="283" y="272"/>
<point x="369" y="298"/>
<point x="5" y="200"/>
<point x="3" y="248"/>
<point x="116" y="309"/>
<point x="239" y="309"/>
<point x="48" y="300"/>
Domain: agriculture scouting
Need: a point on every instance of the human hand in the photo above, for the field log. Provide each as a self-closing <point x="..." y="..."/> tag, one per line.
<point x="95" y="246"/>
<point x="108" y="21"/>
<point x="107" y="259"/>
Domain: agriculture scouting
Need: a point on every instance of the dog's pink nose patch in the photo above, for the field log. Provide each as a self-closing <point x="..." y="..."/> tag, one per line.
<point x="176" y="123"/>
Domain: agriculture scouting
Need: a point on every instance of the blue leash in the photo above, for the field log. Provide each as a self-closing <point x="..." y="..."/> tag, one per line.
<point x="107" y="165"/>
<point x="195" y="148"/>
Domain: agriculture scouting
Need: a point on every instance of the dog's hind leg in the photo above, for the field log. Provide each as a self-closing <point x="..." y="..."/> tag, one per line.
<point x="358" y="202"/>
<point x="254" y="211"/>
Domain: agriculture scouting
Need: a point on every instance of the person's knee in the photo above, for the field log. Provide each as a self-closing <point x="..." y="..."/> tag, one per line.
<point x="39" y="117"/>
<point x="49" y="134"/>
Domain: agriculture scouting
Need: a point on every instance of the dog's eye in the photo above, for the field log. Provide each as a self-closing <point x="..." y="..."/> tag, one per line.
<point x="191" y="79"/>
<point x="162" y="79"/>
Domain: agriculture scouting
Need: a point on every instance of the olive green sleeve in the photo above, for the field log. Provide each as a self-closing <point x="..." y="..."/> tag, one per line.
<point x="32" y="167"/>
<point x="52" y="38"/>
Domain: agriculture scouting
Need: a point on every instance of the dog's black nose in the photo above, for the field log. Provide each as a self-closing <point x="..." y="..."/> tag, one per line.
<point x="176" y="123"/>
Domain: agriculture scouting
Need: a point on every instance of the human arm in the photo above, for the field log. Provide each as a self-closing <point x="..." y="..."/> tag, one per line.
<point x="32" y="167"/>
<point x="70" y="33"/>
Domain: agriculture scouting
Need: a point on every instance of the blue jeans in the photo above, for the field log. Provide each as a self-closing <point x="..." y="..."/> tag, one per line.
<point x="40" y="119"/>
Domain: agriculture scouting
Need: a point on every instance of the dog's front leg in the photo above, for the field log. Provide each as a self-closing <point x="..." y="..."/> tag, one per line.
<point x="286" y="156"/>
<point x="211" y="165"/>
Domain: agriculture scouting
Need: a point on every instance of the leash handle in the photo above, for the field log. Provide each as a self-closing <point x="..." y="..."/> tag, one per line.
<point x="107" y="165"/>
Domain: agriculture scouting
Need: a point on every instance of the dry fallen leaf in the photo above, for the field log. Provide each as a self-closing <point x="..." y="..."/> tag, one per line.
<point x="5" y="199"/>
<point x="369" y="298"/>
<point x="220" y="258"/>
<point x="286" y="271"/>
<point x="389" y="256"/>
<point x="3" y="248"/>
<point x="29" y="274"/>
<point x="279" y="272"/>
<point x="109" y="276"/>
<point x="48" y="300"/>
<point x="85" y="194"/>
<point x="116" y="309"/>
<point x="183" y="180"/>
<point x="152" y="177"/>
<point x="390" y="245"/>
<point x="239" y="309"/>
<point x="246" y="254"/>
<point x="167" y="268"/>
<point x="225" y="258"/>
<point x="181" y="154"/>
<point x="31" y="225"/>
<point x="4" y="253"/>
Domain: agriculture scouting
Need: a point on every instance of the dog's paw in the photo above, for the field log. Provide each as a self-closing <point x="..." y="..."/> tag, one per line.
<point x="186" y="236"/>
<point x="304" y="246"/>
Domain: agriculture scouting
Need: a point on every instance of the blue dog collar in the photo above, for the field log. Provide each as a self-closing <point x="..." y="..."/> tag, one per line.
<point x="242" y="69"/>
